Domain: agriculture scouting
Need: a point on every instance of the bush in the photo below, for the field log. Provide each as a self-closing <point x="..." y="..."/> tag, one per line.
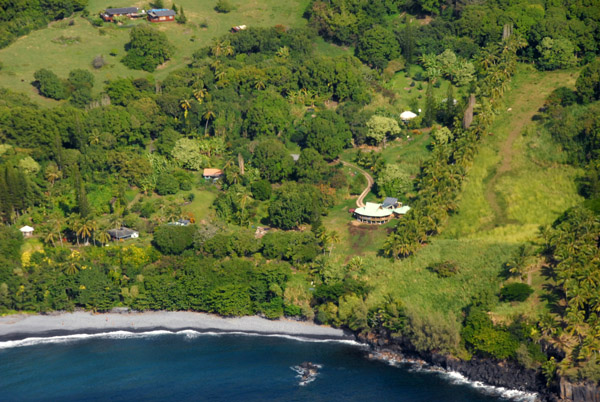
<point x="359" y="182"/>
<point x="172" y="239"/>
<point x="516" y="292"/>
<point x="444" y="269"/>
<point x="98" y="62"/>
<point x="261" y="190"/>
<point x="50" y="85"/>
<point x="147" y="48"/>
<point x="167" y="184"/>
<point x="223" y="6"/>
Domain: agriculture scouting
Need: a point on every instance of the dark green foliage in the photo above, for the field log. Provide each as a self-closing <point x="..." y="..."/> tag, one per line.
<point x="173" y="239"/>
<point x="147" y="49"/>
<point x="295" y="204"/>
<point x="311" y="167"/>
<point x="223" y="6"/>
<point x="121" y="91"/>
<point x="588" y="83"/>
<point x="377" y="46"/>
<point x="273" y="160"/>
<point x="15" y="193"/>
<point x="297" y="247"/>
<point x="181" y="17"/>
<point x="444" y="269"/>
<point x="167" y="184"/>
<point x="269" y="115"/>
<point x="516" y="292"/>
<point x="261" y="190"/>
<point x="327" y="133"/>
<point x="239" y="243"/>
<point x="79" y="78"/>
<point x="484" y="338"/>
<point x="50" y="85"/>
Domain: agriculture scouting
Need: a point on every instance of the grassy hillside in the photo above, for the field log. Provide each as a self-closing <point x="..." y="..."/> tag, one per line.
<point x="517" y="183"/>
<point x="63" y="47"/>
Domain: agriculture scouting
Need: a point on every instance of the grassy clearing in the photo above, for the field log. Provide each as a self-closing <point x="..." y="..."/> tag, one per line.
<point x="517" y="182"/>
<point x="200" y="207"/>
<point x="62" y="47"/>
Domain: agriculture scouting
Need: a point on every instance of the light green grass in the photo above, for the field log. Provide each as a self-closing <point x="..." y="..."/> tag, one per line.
<point x="37" y="50"/>
<point x="201" y="206"/>
<point x="536" y="188"/>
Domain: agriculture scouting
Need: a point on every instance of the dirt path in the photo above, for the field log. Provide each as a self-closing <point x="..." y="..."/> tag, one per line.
<point x="370" y="182"/>
<point x="528" y="100"/>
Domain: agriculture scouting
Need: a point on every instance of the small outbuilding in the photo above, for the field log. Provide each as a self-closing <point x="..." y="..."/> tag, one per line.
<point x="180" y="222"/>
<point x="27" y="231"/>
<point x="110" y="13"/>
<point x="161" y="15"/>
<point x="212" y="174"/>
<point x="407" y="116"/>
<point x="123" y="234"/>
<point x="238" y="28"/>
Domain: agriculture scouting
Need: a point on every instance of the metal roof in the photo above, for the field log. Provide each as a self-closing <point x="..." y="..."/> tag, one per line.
<point x="389" y="202"/>
<point x="373" y="210"/>
<point x="125" y="10"/>
<point x="163" y="12"/>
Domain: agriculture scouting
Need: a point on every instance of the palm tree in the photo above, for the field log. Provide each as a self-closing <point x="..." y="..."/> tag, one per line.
<point x="334" y="238"/>
<point x="84" y="228"/>
<point x="185" y="105"/>
<point x="50" y="234"/>
<point x="208" y="115"/>
<point x="103" y="236"/>
<point x="52" y="173"/>
<point x="259" y="84"/>
<point x="200" y="94"/>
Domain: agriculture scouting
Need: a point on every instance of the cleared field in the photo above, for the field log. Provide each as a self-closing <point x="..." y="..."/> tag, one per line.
<point x="63" y="47"/>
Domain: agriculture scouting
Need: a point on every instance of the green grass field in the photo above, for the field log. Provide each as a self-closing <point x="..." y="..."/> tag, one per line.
<point x="62" y="47"/>
<point x="517" y="183"/>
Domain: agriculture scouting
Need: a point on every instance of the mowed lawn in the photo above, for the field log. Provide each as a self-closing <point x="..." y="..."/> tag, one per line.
<point x="63" y="47"/>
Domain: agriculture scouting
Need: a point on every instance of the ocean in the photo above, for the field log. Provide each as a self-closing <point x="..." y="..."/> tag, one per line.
<point x="189" y="366"/>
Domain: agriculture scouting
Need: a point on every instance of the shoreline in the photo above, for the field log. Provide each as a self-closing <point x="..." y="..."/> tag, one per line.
<point x="21" y="326"/>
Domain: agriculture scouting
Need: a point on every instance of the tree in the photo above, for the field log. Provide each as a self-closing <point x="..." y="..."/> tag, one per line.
<point x="272" y="160"/>
<point x="327" y="133"/>
<point x="295" y="204"/>
<point x="187" y="154"/>
<point x="311" y="167"/>
<point x="556" y="53"/>
<point x="223" y="6"/>
<point x="430" y="106"/>
<point x="377" y="46"/>
<point x="167" y="184"/>
<point x="393" y="181"/>
<point x="442" y="135"/>
<point x="269" y="115"/>
<point x="181" y="17"/>
<point x="147" y="48"/>
<point x="173" y="239"/>
<point x="50" y="85"/>
<point x="381" y="127"/>
<point x="588" y="82"/>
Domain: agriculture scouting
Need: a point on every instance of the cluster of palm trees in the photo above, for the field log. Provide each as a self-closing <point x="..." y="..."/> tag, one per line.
<point x="572" y="250"/>
<point x="439" y="183"/>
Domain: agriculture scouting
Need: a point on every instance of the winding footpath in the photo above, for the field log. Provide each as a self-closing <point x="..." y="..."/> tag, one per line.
<point x="370" y="182"/>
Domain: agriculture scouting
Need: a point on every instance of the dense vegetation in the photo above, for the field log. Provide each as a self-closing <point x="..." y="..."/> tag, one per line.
<point x="278" y="115"/>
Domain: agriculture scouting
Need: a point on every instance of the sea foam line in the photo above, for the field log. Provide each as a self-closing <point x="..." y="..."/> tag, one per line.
<point x="191" y="334"/>
<point x="455" y="377"/>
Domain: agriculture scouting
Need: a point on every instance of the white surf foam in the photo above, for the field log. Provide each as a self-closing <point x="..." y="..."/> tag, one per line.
<point x="190" y="334"/>
<point x="457" y="378"/>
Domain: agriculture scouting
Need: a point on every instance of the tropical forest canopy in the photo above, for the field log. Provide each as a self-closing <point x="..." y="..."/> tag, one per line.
<point x="278" y="109"/>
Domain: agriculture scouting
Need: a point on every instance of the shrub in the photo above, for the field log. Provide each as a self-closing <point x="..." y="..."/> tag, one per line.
<point x="516" y="292"/>
<point x="147" y="48"/>
<point x="172" y="239"/>
<point x="444" y="269"/>
<point x="167" y="184"/>
<point x="98" y="62"/>
<point x="261" y="190"/>
<point x="223" y="6"/>
<point x="50" y="85"/>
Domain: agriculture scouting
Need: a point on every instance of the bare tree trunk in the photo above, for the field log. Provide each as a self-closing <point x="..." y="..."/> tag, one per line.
<point x="241" y="163"/>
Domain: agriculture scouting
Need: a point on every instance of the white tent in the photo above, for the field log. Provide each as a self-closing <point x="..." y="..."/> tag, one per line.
<point x="407" y="115"/>
<point x="27" y="231"/>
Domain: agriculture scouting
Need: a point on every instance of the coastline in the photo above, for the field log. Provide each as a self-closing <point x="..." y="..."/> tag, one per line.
<point x="21" y="326"/>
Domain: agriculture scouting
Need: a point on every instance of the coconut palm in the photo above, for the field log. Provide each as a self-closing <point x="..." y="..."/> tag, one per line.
<point x="185" y="105"/>
<point x="208" y="115"/>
